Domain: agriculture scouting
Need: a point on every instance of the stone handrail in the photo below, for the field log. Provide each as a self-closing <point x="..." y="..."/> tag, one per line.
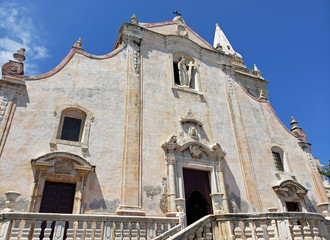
<point x="289" y="225"/>
<point x="169" y="233"/>
<point x="201" y="229"/>
<point x="48" y="226"/>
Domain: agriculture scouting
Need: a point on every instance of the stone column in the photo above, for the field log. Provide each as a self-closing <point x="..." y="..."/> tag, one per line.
<point x="131" y="196"/>
<point x="242" y="145"/>
<point x="171" y="161"/>
<point x="170" y="147"/>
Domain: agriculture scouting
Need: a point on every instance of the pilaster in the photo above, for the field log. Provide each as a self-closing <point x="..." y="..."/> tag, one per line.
<point x="131" y="194"/>
<point x="11" y="86"/>
<point x="242" y="145"/>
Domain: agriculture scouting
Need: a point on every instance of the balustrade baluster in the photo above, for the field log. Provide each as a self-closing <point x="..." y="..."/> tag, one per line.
<point x="208" y="232"/>
<point x="48" y="229"/>
<point x="198" y="233"/>
<point x="109" y="230"/>
<point x="271" y="231"/>
<point x="26" y="230"/>
<point x="80" y="230"/>
<point x="89" y="230"/>
<point x="296" y="230"/>
<point x="129" y="230"/>
<point x="134" y="231"/>
<point x="70" y="230"/>
<point x="259" y="230"/>
<point x="247" y="230"/>
<point x="307" y="230"/>
<point x="126" y="230"/>
<point x="143" y="231"/>
<point x="98" y="231"/>
<point x="237" y="231"/>
<point x="159" y="229"/>
<point x="120" y="230"/>
<point x="37" y="230"/>
<point x="316" y="231"/>
<point x="15" y="230"/>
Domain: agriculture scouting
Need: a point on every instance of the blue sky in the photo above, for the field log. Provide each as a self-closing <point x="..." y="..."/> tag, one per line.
<point x="288" y="40"/>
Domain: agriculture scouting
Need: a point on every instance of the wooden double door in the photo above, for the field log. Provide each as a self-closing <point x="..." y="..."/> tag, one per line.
<point x="57" y="197"/>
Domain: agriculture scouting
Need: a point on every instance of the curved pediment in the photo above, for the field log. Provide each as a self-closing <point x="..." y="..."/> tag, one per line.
<point x="63" y="162"/>
<point x="289" y="187"/>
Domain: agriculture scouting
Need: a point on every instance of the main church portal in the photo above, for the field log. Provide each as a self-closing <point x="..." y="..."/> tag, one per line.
<point x="197" y="194"/>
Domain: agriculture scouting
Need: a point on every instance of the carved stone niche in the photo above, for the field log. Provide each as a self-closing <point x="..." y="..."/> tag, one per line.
<point x="290" y="191"/>
<point x="60" y="167"/>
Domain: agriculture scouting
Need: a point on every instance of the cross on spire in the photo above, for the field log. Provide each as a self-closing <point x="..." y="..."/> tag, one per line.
<point x="177" y="13"/>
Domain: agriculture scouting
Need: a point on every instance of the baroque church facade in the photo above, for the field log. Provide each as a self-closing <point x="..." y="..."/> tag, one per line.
<point x="164" y="129"/>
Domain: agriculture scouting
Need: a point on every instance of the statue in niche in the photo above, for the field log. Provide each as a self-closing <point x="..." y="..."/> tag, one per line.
<point x="185" y="72"/>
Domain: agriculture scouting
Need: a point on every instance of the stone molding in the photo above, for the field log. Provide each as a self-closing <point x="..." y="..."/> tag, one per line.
<point x="70" y="55"/>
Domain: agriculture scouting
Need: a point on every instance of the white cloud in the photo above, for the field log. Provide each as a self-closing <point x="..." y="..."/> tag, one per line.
<point x="16" y="31"/>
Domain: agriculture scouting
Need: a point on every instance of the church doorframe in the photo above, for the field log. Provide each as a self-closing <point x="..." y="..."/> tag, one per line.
<point x="60" y="167"/>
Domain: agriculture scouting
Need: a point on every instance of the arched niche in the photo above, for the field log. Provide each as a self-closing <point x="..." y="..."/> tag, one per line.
<point x="60" y="167"/>
<point x="185" y="71"/>
<point x="289" y="191"/>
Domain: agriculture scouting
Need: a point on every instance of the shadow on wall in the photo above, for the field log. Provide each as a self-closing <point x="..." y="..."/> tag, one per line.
<point x="94" y="200"/>
<point x="235" y="202"/>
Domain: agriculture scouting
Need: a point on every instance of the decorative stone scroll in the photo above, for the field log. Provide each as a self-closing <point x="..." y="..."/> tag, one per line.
<point x="15" y="68"/>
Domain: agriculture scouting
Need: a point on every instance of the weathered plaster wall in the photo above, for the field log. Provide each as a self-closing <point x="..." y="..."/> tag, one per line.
<point x="100" y="87"/>
<point x="97" y="85"/>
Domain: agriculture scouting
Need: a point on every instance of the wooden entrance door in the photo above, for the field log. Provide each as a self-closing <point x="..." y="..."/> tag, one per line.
<point x="197" y="194"/>
<point x="57" y="197"/>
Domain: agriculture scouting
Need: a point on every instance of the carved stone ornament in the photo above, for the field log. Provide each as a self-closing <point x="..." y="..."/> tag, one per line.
<point x="297" y="131"/>
<point x="78" y="44"/>
<point x="15" y="67"/>
<point x="195" y="151"/>
<point x="3" y="107"/>
<point x="134" y="19"/>
<point x="63" y="167"/>
<point x="192" y="132"/>
<point x="181" y="30"/>
<point x="189" y="117"/>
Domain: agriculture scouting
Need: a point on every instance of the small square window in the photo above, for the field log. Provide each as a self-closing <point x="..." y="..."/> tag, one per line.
<point x="71" y="129"/>
<point x="292" y="206"/>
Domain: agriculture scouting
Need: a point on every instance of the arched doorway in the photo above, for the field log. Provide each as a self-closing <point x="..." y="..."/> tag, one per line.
<point x="197" y="194"/>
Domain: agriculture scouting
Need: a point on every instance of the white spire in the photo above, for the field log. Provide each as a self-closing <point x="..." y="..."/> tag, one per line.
<point x="221" y="42"/>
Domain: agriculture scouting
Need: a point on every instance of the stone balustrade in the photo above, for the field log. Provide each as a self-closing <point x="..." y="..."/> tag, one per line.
<point x="35" y="226"/>
<point x="263" y="226"/>
<point x="273" y="226"/>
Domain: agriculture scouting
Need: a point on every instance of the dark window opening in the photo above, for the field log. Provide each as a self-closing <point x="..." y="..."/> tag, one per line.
<point x="292" y="206"/>
<point x="176" y="73"/>
<point x="71" y="129"/>
<point x="278" y="161"/>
